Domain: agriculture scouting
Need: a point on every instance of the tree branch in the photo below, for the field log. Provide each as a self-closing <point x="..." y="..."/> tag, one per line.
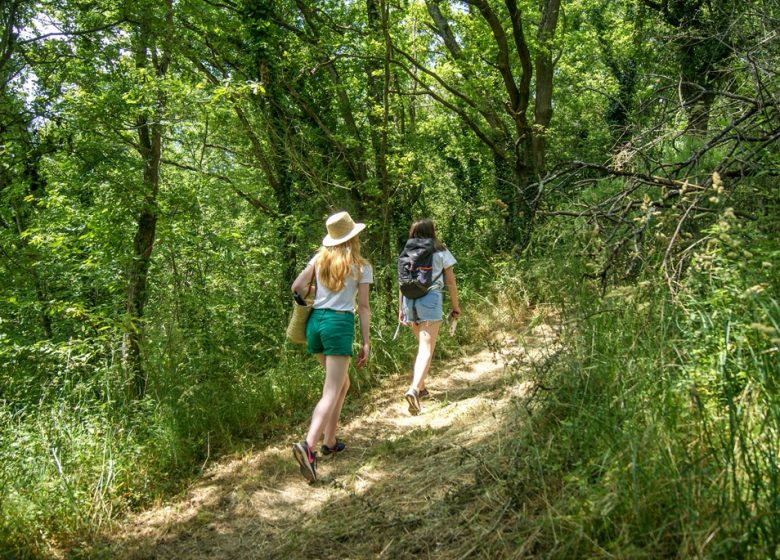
<point x="255" y="202"/>
<point x="443" y="29"/>
<point x="502" y="58"/>
<point x="73" y="33"/>
<point x="489" y="117"/>
<point x="458" y="111"/>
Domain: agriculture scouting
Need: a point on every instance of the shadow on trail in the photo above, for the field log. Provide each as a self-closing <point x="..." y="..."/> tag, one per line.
<point x="407" y="486"/>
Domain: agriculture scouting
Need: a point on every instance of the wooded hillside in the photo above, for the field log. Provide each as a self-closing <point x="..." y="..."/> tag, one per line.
<point x="166" y="169"/>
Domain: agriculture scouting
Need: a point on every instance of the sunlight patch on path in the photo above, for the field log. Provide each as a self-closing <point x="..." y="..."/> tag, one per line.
<point x="396" y="466"/>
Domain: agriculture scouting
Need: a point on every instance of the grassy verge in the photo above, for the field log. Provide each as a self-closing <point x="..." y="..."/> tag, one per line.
<point x="654" y="432"/>
<point x="80" y="455"/>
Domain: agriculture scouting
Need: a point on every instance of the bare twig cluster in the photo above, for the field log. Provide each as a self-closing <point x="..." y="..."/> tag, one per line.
<point x="676" y="182"/>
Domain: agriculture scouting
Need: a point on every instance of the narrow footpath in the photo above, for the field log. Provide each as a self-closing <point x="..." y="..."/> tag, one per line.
<point x="406" y="487"/>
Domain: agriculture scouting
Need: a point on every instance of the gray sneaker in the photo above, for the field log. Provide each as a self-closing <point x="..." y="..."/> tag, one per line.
<point x="414" y="402"/>
<point x="307" y="461"/>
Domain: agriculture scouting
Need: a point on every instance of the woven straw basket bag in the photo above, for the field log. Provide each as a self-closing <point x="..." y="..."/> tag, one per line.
<point x="296" y="329"/>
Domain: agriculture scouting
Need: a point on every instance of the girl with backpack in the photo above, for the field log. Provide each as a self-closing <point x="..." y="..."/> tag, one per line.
<point x="425" y="268"/>
<point x="342" y="276"/>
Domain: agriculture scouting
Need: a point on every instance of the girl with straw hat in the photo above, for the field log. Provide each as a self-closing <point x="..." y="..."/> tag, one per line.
<point x="342" y="276"/>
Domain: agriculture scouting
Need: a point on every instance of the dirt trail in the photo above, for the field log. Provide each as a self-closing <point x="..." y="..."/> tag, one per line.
<point x="406" y="487"/>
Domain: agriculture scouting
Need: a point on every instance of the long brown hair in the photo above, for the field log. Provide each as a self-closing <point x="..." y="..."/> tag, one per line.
<point x="424" y="229"/>
<point x="335" y="263"/>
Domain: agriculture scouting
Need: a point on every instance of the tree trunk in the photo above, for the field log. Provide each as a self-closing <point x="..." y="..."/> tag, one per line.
<point x="543" y="110"/>
<point x="378" y="74"/>
<point x="278" y="125"/>
<point x="150" y="133"/>
<point x="137" y="294"/>
<point x="443" y="28"/>
<point x="29" y="254"/>
<point x="702" y="44"/>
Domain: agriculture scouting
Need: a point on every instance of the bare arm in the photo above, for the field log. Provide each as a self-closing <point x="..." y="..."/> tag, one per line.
<point x="303" y="281"/>
<point x="364" y="313"/>
<point x="452" y="288"/>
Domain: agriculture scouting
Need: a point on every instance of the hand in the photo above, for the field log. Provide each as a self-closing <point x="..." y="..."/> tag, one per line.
<point x="455" y="314"/>
<point x="363" y="355"/>
<point x="401" y="316"/>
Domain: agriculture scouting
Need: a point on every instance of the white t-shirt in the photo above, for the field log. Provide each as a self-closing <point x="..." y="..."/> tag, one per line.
<point x="441" y="260"/>
<point x="343" y="300"/>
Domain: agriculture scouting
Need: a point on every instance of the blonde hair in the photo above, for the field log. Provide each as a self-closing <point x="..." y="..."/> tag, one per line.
<point x="335" y="263"/>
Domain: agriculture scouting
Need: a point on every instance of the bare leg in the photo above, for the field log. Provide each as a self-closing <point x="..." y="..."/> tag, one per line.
<point x="331" y="425"/>
<point x="333" y="392"/>
<point x="329" y="432"/>
<point x="416" y="332"/>
<point x="321" y="360"/>
<point x="426" y="333"/>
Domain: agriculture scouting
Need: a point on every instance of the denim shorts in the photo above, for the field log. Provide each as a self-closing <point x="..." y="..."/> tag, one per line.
<point x="330" y="332"/>
<point x="426" y="308"/>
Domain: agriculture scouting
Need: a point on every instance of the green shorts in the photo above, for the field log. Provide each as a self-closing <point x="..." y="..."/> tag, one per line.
<point x="330" y="332"/>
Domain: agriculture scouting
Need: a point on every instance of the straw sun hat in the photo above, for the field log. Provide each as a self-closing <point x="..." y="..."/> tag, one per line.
<point x="341" y="228"/>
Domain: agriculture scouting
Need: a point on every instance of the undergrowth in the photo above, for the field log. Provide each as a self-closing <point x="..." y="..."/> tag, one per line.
<point x="650" y="428"/>
<point x="654" y="431"/>
<point x="80" y="455"/>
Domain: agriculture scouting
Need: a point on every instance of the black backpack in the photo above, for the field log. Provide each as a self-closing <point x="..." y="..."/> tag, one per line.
<point x="415" y="267"/>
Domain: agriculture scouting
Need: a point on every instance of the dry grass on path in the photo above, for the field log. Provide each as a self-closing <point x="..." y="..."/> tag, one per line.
<point x="407" y="486"/>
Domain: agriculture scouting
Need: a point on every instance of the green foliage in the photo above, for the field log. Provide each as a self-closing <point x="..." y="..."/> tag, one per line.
<point x="731" y="328"/>
<point x="660" y="435"/>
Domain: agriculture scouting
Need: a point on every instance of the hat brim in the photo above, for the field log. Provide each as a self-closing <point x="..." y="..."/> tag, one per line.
<point x="329" y="241"/>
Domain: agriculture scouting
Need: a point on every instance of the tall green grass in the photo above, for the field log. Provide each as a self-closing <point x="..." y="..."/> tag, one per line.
<point x="77" y="452"/>
<point x="69" y="466"/>
<point x="659" y="436"/>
